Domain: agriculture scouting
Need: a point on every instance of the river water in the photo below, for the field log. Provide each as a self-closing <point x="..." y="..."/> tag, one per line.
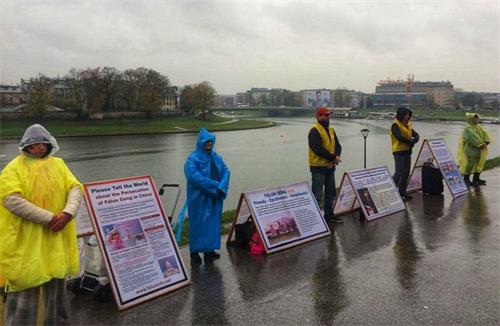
<point x="259" y="158"/>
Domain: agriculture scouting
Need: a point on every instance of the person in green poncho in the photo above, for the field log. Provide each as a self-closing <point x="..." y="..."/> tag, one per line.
<point x="472" y="150"/>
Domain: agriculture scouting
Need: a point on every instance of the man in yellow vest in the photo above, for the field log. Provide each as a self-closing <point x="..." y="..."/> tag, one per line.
<point x="403" y="138"/>
<point x="324" y="156"/>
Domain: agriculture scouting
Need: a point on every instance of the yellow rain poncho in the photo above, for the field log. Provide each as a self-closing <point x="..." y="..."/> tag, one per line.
<point x="31" y="254"/>
<point x="471" y="157"/>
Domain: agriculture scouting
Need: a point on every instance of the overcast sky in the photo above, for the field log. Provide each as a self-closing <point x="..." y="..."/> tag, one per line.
<point x="241" y="44"/>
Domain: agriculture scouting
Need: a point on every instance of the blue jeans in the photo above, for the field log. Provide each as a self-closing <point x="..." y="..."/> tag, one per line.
<point x="326" y="182"/>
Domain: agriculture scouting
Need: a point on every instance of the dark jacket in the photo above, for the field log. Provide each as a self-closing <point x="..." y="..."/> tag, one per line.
<point x="316" y="145"/>
<point x="400" y="114"/>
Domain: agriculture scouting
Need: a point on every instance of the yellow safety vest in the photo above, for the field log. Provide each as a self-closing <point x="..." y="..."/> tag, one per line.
<point x="328" y="144"/>
<point x="30" y="254"/>
<point x="406" y="132"/>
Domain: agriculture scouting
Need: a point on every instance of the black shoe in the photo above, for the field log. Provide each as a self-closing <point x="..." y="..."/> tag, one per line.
<point x="209" y="256"/>
<point x="195" y="258"/>
<point x="406" y="197"/>
<point x="467" y="180"/>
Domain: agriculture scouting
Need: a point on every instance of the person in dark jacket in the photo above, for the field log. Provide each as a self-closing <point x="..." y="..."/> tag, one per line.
<point x="324" y="156"/>
<point x="403" y="138"/>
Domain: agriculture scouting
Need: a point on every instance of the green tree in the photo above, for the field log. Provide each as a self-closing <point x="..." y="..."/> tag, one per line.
<point x="203" y="98"/>
<point x="197" y="99"/>
<point x="186" y="99"/>
<point x="144" y="90"/>
<point x="153" y="91"/>
<point x="40" y="95"/>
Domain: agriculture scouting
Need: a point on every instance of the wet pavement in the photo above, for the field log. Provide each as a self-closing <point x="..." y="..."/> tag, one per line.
<point x="436" y="263"/>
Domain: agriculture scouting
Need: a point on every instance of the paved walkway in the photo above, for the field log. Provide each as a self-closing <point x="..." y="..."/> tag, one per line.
<point x="436" y="263"/>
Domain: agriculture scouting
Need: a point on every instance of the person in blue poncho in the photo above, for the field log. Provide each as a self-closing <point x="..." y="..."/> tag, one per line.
<point x="207" y="185"/>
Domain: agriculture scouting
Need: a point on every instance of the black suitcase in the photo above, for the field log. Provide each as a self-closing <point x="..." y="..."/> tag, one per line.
<point x="432" y="180"/>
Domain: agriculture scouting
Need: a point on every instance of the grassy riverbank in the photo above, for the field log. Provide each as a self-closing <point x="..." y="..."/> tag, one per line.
<point x="226" y="222"/>
<point x="492" y="163"/>
<point x="65" y="128"/>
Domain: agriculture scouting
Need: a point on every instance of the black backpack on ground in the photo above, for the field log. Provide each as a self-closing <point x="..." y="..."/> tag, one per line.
<point x="243" y="233"/>
<point x="432" y="180"/>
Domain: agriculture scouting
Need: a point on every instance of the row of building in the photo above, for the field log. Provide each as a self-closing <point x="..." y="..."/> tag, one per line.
<point x="13" y="98"/>
<point x="388" y="94"/>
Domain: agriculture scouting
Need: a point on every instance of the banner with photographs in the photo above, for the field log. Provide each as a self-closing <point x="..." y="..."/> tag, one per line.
<point x="284" y="216"/>
<point x="448" y="167"/>
<point x="137" y="243"/>
<point x="374" y="191"/>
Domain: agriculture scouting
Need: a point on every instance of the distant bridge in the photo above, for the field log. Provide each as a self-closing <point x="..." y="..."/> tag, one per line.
<point x="265" y="110"/>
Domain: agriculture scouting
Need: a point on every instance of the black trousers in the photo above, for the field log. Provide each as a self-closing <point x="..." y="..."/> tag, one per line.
<point x="403" y="166"/>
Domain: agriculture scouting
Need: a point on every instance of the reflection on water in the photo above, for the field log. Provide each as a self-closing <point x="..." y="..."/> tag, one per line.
<point x="358" y="238"/>
<point x="207" y="283"/>
<point x="261" y="276"/>
<point x="407" y="255"/>
<point x="475" y="217"/>
<point x="329" y="289"/>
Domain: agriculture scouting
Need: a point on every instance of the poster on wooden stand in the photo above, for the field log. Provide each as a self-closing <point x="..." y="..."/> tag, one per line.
<point x="371" y="190"/>
<point x="136" y="241"/>
<point x="436" y="150"/>
<point x="283" y="216"/>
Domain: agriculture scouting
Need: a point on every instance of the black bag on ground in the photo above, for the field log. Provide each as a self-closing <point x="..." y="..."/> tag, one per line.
<point x="432" y="180"/>
<point x="243" y="233"/>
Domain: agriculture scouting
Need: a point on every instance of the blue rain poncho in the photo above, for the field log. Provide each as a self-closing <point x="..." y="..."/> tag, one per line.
<point x="207" y="186"/>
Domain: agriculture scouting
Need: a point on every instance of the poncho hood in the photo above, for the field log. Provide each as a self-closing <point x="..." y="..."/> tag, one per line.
<point x="203" y="137"/>
<point x="38" y="134"/>
<point x="400" y="114"/>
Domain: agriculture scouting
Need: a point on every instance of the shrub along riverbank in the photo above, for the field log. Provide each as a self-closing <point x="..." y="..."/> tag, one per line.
<point x="69" y="128"/>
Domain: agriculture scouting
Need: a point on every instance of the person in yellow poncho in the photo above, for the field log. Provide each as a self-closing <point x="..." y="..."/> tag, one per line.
<point x="473" y="150"/>
<point x="39" y="196"/>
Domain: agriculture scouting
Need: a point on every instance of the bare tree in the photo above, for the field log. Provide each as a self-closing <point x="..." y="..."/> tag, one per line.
<point x="40" y="95"/>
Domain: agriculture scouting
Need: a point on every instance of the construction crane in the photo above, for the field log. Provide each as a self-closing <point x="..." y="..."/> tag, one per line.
<point x="409" y="83"/>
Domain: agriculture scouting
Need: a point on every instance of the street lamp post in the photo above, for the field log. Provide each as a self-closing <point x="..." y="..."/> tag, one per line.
<point x="365" y="132"/>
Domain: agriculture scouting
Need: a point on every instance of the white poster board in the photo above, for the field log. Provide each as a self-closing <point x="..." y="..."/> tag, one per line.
<point x="83" y="224"/>
<point x="284" y="216"/>
<point x="437" y="150"/>
<point x="346" y="201"/>
<point x="136" y="242"/>
<point x="374" y="190"/>
<point x="448" y="167"/>
<point x="424" y="156"/>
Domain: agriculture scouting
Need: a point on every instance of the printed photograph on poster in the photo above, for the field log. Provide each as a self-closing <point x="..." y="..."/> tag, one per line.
<point x="367" y="201"/>
<point x="124" y="235"/>
<point x="169" y="266"/>
<point x="285" y="216"/>
<point x="280" y="229"/>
